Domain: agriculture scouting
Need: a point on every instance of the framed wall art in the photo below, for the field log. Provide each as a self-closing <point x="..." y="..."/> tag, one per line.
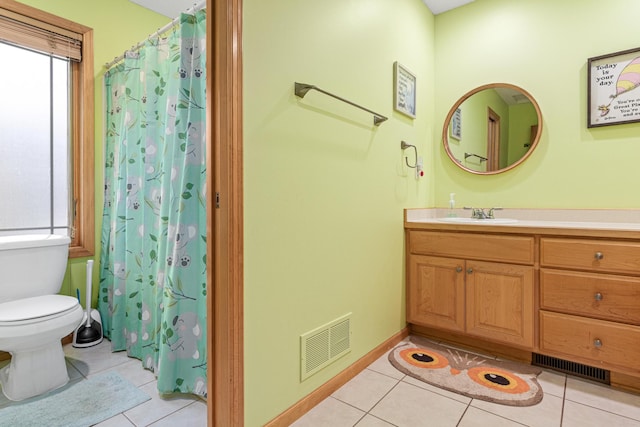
<point x="612" y="92"/>
<point x="456" y="124"/>
<point x="404" y="95"/>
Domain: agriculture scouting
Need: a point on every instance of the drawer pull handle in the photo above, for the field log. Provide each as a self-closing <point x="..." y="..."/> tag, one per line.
<point x="470" y="270"/>
<point x="598" y="296"/>
<point x="458" y="269"/>
<point x="599" y="256"/>
<point x="597" y="343"/>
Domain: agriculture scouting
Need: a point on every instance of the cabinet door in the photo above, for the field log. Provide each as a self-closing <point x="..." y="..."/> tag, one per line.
<point x="435" y="292"/>
<point x="500" y="301"/>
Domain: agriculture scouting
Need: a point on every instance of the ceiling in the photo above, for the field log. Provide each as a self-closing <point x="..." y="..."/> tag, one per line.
<point x="439" y="6"/>
<point x="169" y="8"/>
<point x="173" y="8"/>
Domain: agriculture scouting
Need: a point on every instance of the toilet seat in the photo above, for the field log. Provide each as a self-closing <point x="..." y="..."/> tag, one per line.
<point x="36" y="309"/>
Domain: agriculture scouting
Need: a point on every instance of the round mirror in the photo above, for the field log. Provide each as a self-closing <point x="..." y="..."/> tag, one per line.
<point x="492" y="128"/>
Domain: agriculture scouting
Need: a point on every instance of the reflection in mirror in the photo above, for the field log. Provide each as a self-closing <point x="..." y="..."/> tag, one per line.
<point x="492" y="128"/>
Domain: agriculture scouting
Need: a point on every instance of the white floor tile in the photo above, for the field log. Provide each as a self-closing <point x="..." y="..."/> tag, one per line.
<point x="409" y="406"/>
<point x="365" y="389"/>
<point x="91" y="360"/>
<point x="577" y="415"/>
<point x="603" y="397"/>
<point x="330" y="413"/>
<point x="475" y="417"/>
<point x="193" y="415"/>
<point x="552" y="383"/>
<point x="133" y="372"/>
<point x="383" y="366"/>
<point x="545" y="414"/>
<point x="74" y="374"/>
<point x="156" y="408"/>
<point x="117" y="421"/>
<point x="371" y="421"/>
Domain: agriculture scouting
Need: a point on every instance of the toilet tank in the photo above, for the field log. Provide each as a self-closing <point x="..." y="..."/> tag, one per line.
<point x="32" y="265"/>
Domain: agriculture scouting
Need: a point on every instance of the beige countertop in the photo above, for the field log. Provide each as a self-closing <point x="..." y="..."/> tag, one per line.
<point x="595" y="222"/>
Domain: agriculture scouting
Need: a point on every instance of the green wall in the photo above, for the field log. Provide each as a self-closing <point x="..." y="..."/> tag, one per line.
<point x="324" y="188"/>
<point x="522" y="117"/>
<point x="542" y="46"/>
<point x="117" y="25"/>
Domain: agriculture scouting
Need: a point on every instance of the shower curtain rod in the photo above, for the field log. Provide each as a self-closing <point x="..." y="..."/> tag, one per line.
<point x="196" y="7"/>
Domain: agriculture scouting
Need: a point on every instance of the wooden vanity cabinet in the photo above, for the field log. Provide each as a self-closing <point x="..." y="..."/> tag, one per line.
<point x="571" y="294"/>
<point x="455" y="283"/>
<point x="590" y="302"/>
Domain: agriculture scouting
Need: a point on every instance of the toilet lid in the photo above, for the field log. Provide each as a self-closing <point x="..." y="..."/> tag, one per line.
<point x="35" y="307"/>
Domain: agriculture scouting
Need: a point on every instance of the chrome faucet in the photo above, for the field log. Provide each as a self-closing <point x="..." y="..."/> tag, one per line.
<point x="480" y="213"/>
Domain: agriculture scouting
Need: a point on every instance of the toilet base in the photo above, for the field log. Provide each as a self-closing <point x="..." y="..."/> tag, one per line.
<point x="34" y="372"/>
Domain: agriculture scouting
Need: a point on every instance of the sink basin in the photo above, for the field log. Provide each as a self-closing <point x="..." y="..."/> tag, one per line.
<point x="459" y="220"/>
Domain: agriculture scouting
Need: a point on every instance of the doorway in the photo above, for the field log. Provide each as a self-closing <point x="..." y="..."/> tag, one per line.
<point x="493" y="140"/>
<point x="225" y="361"/>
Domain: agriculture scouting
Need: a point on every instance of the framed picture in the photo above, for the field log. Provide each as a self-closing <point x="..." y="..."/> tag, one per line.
<point x="404" y="95"/>
<point x="613" y="94"/>
<point x="456" y="124"/>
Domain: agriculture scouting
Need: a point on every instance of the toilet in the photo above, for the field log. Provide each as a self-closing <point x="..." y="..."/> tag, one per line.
<point x="33" y="317"/>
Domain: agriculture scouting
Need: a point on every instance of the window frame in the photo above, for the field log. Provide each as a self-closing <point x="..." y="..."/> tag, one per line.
<point x="82" y="133"/>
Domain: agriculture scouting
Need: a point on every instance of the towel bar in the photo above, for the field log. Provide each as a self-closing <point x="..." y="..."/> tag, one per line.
<point x="301" y="90"/>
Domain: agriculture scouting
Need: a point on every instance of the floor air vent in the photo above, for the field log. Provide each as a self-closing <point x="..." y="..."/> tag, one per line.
<point x="323" y="345"/>
<point x="577" y="369"/>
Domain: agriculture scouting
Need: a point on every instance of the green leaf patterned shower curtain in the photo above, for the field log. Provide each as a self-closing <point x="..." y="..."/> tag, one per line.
<point x="152" y="296"/>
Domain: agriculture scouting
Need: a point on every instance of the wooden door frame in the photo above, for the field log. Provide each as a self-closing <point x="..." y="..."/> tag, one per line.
<point x="225" y="327"/>
<point x="493" y="140"/>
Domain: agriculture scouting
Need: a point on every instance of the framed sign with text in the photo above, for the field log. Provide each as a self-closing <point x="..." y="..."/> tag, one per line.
<point x="613" y="93"/>
<point x="404" y="95"/>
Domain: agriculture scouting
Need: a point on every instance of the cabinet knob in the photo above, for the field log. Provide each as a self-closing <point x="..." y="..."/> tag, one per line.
<point x="598" y="296"/>
<point x="598" y="256"/>
<point x="458" y="269"/>
<point x="470" y="270"/>
<point x="597" y="343"/>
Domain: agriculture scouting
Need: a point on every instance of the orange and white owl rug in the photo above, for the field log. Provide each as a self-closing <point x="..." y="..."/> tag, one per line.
<point x="469" y="374"/>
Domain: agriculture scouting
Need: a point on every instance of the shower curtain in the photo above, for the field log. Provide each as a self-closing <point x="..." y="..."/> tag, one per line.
<point x="152" y="295"/>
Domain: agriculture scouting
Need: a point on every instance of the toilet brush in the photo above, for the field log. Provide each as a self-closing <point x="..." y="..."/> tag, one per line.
<point x="89" y="332"/>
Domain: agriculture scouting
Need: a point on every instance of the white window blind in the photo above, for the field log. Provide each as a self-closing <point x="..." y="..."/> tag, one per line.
<point x="41" y="36"/>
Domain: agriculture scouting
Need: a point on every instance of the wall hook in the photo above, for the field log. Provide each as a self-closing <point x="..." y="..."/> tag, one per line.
<point x="404" y="146"/>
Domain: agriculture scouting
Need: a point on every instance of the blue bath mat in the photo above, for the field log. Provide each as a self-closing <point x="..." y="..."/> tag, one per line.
<point x="78" y="404"/>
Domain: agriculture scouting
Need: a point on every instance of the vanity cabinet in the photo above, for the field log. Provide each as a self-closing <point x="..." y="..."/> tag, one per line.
<point x="590" y="301"/>
<point x="481" y="285"/>
<point x="567" y="292"/>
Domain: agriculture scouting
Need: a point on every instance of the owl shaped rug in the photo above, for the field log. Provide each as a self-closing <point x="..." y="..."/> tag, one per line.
<point x="469" y="374"/>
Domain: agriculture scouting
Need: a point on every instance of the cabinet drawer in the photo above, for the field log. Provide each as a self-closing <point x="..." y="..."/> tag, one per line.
<point x="594" y="255"/>
<point x="489" y="247"/>
<point x="595" y="295"/>
<point x="604" y="344"/>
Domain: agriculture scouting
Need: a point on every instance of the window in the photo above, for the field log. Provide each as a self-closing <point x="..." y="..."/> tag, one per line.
<point x="46" y="126"/>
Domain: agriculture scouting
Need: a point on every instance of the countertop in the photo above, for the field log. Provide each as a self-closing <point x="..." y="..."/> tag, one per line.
<point x="622" y="223"/>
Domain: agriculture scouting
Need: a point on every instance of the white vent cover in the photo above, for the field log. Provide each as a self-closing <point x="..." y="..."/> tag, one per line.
<point x="323" y="345"/>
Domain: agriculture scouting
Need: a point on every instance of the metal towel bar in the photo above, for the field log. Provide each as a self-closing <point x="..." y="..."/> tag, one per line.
<point x="301" y="90"/>
<point x="482" y="159"/>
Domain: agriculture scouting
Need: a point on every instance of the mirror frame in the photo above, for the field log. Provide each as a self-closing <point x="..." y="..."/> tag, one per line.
<point x="447" y="122"/>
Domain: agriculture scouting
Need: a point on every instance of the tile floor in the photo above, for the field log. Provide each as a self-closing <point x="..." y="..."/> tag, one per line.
<point x="382" y="396"/>
<point x="82" y="363"/>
